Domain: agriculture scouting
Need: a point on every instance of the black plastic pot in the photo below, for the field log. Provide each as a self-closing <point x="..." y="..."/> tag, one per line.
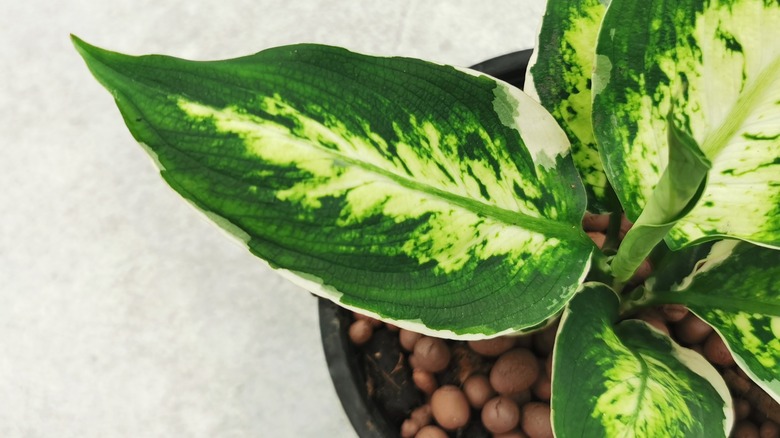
<point x="345" y="360"/>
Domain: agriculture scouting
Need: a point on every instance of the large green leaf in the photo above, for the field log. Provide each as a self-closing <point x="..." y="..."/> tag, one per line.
<point x="627" y="379"/>
<point x="716" y="66"/>
<point x="560" y="78"/>
<point x="442" y="200"/>
<point x="736" y="289"/>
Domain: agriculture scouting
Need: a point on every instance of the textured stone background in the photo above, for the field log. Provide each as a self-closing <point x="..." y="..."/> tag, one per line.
<point x="123" y="312"/>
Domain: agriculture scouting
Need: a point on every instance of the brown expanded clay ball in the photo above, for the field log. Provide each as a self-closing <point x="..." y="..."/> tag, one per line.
<point x="408" y="339"/>
<point x="737" y="382"/>
<point x="597" y="238"/>
<point x="769" y="429"/>
<point x="642" y="272"/>
<point x="595" y="222"/>
<point x="715" y="351"/>
<point x="674" y="312"/>
<point x="625" y="226"/>
<point x="492" y="347"/>
<point x="478" y="390"/>
<point x="514" y="371"/>
<point x="500" y="415"/>
<point x="409" y="428"/>
<point x="656" y="321"/>
<point x="741" y="408"/>
<point x="422" y="415"/>
<point x="425" y="381"/>
<point x="360" y="331"/>
<point x="536" y="420"/>
<point x="418" y="419"/>
<point x="692" y="330"/>
<point x="431" y="431"/>
<point x="450" y="407"/>
<point x="745" y="429"/>
<point x="697" y="348"/>
<point x="431" y="354"/>
<point x="360" y="317"/>
<point x="542" y="388"/>
<point x="521" y="397"/>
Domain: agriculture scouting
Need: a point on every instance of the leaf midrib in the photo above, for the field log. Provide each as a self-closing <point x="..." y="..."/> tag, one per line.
<point x="644" y="378"/>
<point x="542" y="226"/>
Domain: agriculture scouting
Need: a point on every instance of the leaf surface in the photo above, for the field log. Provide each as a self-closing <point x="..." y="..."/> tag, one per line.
<point x="627" y="379"/>
<point x="715" y="66"/>
<point x="439" y="199"/>
<point x="736" y="289"/>
<point x="560" y="78"/>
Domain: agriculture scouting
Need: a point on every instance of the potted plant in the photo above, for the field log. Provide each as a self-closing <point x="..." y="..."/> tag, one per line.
<point x="450" y="203"/>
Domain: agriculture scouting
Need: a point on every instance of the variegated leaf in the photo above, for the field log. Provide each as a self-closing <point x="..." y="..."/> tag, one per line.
<point x="627" y="379"/>
<point x="719" y="62"/>
<point x="441" y="200"/>
<point x="560" y="78"/>
<point x="736" y="289"/>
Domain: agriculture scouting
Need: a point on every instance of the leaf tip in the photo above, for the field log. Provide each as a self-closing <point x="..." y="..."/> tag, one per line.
<point x="88" y="52"/>
<point x="76" y="40"/>
<point x="92" y="54"/>
<point x="103" y="64"/>
<point x="83" y="47"/>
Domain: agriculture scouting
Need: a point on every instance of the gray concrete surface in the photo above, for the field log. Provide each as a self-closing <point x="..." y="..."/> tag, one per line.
<point x="123" y="312"/>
